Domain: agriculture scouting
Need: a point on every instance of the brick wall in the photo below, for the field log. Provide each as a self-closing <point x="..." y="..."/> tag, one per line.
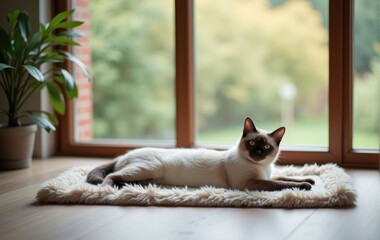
<point x="84" y="103"/>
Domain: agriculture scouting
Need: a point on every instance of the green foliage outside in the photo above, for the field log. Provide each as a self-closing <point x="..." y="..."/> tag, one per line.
<point x="305" y="132"/>
<point x="244" y="51"/>
<point x="133" y="68"/>
<point x="299" y="134"/>
<point x="366" y="107"/>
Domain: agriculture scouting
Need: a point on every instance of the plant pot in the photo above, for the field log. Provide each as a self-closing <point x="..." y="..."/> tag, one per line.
<point x="16" y="146"/>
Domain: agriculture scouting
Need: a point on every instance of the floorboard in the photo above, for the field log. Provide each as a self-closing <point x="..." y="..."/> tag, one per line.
<point x="360" y="222"/>
<point x="21" y="217"/>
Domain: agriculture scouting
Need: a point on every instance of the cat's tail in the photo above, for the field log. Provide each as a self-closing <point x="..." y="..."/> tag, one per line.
<point x="97" y="175"/>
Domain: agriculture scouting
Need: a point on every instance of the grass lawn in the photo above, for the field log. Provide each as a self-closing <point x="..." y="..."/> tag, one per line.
<point x="366" y="140"/>
<point x="304" y="132"/>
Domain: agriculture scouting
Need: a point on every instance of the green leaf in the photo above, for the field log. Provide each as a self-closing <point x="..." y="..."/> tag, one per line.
<point x="19" y="45"/>
<point x="56" y="97"/>
<point x="70" y="24"/>
<point x="4" y="66"/>
<point x="63" y="40"/>
<point x="69" y="80"/>
<point x="35" y="72"/>
<point x="73" y="93"/>
<point x="70" y="34"/>
<point x="5" y="42"/>
<point x="41" y="121"/>
<point x="24" y="25"/>
<point x="35" y="41"/>
<point x="12" y="19"/>
<point x="50" y="57"/>
<point x="75" y="60"/>
<point x="53" y="119"/>
<point x="59" y="18"/>
<point x="43" y="29"/>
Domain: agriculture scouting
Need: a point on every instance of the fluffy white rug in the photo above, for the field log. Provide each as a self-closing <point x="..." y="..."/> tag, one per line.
<point x="332" y="189"/>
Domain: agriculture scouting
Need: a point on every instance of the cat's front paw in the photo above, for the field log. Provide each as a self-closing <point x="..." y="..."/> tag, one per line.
<point x="309" y="180"/>
<point x="305" y="186"/>
<point x="93" y="179"/>
<point x="108" y="181"/>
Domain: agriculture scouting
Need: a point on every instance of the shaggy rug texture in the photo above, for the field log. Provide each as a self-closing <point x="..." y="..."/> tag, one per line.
<point x="332" y="189"/>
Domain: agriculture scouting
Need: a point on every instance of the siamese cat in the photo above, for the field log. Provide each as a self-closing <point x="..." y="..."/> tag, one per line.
<point x="247" y="165"/>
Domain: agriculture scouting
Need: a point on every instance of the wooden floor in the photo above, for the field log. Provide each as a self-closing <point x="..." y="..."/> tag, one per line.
<point x="21" y="217"/>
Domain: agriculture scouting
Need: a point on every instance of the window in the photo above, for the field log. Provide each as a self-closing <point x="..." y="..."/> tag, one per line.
<point x="265" y="59"/>
<point x="133" y="77"/>
<point x="366" y="75"/>
<point x="200" y="66"/>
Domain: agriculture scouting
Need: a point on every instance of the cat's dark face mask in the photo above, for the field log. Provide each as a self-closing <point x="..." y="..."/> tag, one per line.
<point x="261" y="144"/>
<point x="258" y="148"/>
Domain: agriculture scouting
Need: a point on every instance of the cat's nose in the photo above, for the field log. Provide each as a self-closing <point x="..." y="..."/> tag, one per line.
<point x="258" y="152"/>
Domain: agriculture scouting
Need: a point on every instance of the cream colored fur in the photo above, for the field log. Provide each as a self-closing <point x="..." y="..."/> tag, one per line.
<point x="194" y="167"/>
<point x="233" y="168"/>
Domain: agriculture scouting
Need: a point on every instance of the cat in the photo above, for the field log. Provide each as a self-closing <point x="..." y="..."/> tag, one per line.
<point x="248" y="165"/>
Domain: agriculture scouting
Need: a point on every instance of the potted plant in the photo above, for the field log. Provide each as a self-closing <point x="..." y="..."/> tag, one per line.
<point x="22" y="54"/>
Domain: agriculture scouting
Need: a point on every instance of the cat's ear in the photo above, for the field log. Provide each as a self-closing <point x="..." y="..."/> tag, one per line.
<point x="248" y="127"/>
<point x="278" y="134"/>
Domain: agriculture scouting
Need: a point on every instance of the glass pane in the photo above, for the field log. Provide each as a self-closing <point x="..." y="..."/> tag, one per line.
<point x="366" y="93"/>
<point x="264" y="59"/>
<point x="129" y="46"/>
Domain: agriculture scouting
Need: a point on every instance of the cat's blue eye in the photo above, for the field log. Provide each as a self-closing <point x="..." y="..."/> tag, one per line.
<point x="252" y="143"/>
<point x="266" y="146"/>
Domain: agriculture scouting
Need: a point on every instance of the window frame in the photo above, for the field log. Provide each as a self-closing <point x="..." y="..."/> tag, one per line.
<point x="340" y="98"/>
